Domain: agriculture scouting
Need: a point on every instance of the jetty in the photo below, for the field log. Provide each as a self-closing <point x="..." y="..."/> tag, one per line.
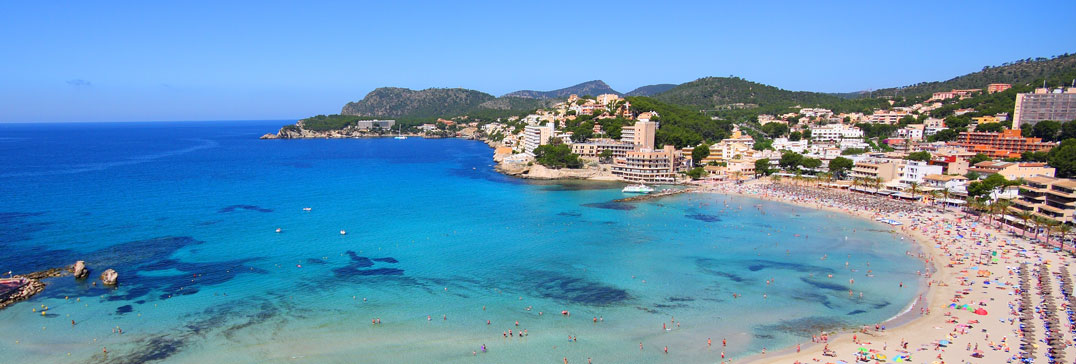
<point x="651" y="196"/>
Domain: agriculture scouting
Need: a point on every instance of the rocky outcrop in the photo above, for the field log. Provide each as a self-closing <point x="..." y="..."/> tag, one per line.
<point x="109" y="277"/>
<point x="80" y="270"/>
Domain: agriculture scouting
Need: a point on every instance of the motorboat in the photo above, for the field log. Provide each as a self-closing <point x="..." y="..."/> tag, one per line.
<point x="639" y="188"/>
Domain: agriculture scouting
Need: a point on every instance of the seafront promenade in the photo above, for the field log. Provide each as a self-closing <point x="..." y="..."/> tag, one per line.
<point x="993" y="295"/>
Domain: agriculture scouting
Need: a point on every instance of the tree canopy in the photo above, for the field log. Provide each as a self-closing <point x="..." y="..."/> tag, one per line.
<point x="557" y="156"/>
<point x="840" y="166"/>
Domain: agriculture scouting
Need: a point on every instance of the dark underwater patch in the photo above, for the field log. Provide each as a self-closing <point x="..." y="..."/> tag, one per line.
<point x="578" y="290"/>
<point x="124" y="309"/>
<point x="713" y="266"/>
<point x="813" y="297"/>
<point x="18" y="226"/>
<point x="704" y="217"/>
<point x="153" y="348"/>
<point x="825" y="285"/>
<point x="804" y="326"/>
<point x="855" y="312"/>
<point x="760" y="264"/>
<point x="232" y="208"/>
<point x="610" y="206"/>
<point x="355" y="268"/>
<point x="315" y="261"/>
<point x="762" y="336"/>
<point x="571" y="214"/>
<point x="680" y="299"/>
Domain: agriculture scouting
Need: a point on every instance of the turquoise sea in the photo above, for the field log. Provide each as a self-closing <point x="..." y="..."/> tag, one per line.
<point x="437" y="243"/>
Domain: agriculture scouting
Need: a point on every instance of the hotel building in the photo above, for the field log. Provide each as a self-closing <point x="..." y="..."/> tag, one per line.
<point x="1005" y="144"/>
<point x="1044" y="104"/>
<point x="647" y="165"/>
<point x="1052" y="198"/>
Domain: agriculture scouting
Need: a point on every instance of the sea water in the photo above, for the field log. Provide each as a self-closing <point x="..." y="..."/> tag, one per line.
<point x="437" y="244"/>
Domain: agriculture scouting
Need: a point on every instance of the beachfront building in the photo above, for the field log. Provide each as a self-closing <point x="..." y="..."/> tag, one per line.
<point x="595" y="147"/>
<point x="1044" y="104"/>
<point x="641" y="134"/>
<point x="916" y="171"/>
<point x="1052" y="198"/>
<point x="883" y="170"/>
<point x="835" y="132"/>
<point x="950" y="164"/>
<point x="534" y="136"/>
<point x="945" y="182"/>
<point x="645" y="165"/>
<point x="1013" y="170"/>
<point x="1006" y="144"/>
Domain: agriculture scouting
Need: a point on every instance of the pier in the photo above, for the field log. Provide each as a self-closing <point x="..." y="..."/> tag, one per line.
<point x="21" y="287"/>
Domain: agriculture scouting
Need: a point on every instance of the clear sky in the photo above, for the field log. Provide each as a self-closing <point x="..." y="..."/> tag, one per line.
<point x="219" y="60"/>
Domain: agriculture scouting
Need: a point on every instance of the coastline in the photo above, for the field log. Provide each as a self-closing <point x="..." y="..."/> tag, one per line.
<point x="904" y="323"/>
<point x="977" y="272"/>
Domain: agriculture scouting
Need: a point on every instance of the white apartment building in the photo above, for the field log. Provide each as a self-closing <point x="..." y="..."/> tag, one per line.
<point x="784" y="144"/>
<point x="534" y="136"/>
<point x="834" y="132"/>
<point x="915" y="171"/>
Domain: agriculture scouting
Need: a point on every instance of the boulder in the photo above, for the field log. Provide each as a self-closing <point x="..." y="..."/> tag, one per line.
<point x="109" y="277"/>
<point x="80" y="270"/>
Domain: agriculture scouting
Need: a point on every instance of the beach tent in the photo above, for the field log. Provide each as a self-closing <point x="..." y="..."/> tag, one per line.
<point x="980" y="311"/>
<point x="943" y="342"/>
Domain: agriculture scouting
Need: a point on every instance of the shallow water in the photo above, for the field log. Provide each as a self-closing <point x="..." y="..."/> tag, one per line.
<point x="186" y="213"/>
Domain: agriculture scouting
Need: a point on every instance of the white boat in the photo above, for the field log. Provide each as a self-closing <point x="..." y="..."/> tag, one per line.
<point x="399" y="133"/>
<point x="639" y="188"/>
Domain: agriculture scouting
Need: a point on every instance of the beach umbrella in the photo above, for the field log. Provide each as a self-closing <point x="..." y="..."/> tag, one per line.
<point x="980" y="311"/>
<point x="943" y="342"/>
<point x="863" y="350"/>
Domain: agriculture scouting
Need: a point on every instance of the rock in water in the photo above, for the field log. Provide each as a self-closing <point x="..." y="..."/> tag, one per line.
<point x="80" y="270"/>
<point x="109" y="277"/>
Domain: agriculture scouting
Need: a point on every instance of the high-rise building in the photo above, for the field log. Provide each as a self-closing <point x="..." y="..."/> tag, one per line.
<point x="641" y="134"/>
<point x="1044" y="104"/>
<point x="534" y="136"/>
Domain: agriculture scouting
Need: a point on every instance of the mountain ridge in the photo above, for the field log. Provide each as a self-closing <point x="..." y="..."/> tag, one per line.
<point x="593" y="88"/>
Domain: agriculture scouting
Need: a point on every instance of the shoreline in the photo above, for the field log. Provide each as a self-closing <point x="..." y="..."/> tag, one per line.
<point x="977" y="264"/>
<point x="900" y="322"/>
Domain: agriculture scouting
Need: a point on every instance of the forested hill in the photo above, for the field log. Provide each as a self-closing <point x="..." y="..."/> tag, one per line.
<point x="393" y="102"/>
<point x="1057" y="70"/>
<point x="593" y="88"/>
<point x="719" y="92"/>
<point x="651" y="90"/>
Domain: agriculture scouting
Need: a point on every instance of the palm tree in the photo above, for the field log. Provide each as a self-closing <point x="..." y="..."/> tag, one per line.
<point x="1063" y="230"/>
<point x="933" y="195"/>
<point x="1024" y="216"/>
<point x="1038" y="221"/>
<point x="999" y="209"/>
<point x="1051" y="228"/>
<point x="876" y="183"/>
<point x="913" y="188"/>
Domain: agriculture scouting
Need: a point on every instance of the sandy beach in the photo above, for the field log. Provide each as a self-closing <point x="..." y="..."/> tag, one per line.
<point x="967" y="261"/>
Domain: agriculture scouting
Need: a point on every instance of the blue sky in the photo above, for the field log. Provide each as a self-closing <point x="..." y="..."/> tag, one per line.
<point x="147" y="60"/>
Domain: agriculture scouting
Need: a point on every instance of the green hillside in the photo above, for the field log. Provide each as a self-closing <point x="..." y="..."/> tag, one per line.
<point x="1057" y="70"/>
<point x="726" y="92"/>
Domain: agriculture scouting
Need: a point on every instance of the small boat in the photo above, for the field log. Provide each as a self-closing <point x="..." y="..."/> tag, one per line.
<point x="639" y="188"/>
<point x="342" y="232"/>
<point x="399" y="133"/>
<point x="278" y="230"/>
<point x="306" y="209"/>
